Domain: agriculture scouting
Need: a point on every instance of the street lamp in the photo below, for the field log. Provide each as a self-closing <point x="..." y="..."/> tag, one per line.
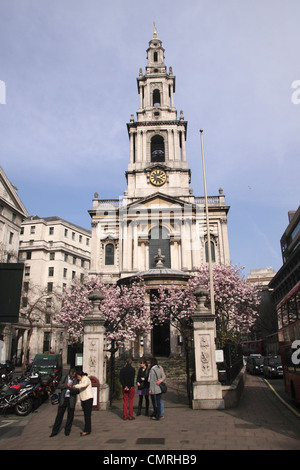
<point x="212" y="299"/>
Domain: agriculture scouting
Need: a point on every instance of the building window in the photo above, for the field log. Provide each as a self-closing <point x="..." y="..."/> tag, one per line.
<point x="27" y="271"/>
<point x="212" y="249"/>
<point x="26" y="286"/>
<point x="51" y="271"/>
<point x="156" y="98"/>
<point x="109" y="254"/>
<point x="66" y="232"/>
<point x="52" y="255"/>
<point x="159" y="238"/>
<point x="46" y="343"/>
<point x="28" y="254"/>
<point x="50" y="287"/>
<point x="51" y="230"/>
<point x="11" y="237"/>
<point x="73" y="274"/>
<point x="32" y="229"/>
<point x="155" y="57"/>
<point x="65" y="272"/>
<point x="157" y="149"/>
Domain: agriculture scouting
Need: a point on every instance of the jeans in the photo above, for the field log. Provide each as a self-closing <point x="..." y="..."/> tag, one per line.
<point x="156" y="402"/>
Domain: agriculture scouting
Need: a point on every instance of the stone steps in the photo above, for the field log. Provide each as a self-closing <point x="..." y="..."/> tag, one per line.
<point x="174" y="367"/>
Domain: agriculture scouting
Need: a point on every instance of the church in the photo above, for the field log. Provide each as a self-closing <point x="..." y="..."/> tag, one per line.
<point x="157" y="229"/>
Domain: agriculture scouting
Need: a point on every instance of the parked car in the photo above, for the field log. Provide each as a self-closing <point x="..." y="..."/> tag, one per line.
<point x="47" y="364"/>
<point x="273" y="367"/>
<point x="255" y="365"/>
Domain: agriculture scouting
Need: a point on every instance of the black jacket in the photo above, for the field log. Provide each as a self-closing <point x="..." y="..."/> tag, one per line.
<point x="127" y="375"/>
<point x="143" y="374"/>
<point x="63" y="386"/>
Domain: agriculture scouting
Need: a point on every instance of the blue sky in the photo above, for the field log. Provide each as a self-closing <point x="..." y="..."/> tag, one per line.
<point x="70" y="69"/>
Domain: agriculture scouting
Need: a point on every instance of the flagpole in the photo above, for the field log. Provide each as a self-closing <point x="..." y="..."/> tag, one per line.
<point x="211" y="284"/>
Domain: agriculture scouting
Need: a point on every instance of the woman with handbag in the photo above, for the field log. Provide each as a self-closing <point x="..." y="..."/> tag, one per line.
<point x="154" y="389"/>
<point x="143" y="387"/>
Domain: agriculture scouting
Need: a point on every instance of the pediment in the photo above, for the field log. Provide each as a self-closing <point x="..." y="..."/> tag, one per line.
<point x="157" y="200"/>
<point x="9" y="195"/>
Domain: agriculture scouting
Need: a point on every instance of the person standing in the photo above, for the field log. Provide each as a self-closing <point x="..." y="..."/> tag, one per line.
<point x="143" y="387"/>
<point x="127" y="375"/>
<point x="86" y="396"/>
<point x="154" y="389"/>
<point x="67" y="401"/>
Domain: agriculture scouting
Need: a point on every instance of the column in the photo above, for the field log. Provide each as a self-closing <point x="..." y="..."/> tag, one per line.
<point x="183" y="149"/>
<point x="131" y="147"/>
<point x="207" y="390"/>
<point x="94" y="362"/>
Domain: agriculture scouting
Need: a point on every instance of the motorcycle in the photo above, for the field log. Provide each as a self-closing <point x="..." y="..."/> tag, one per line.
<point x="24" y="394"/>
<point x="17" y="397"/>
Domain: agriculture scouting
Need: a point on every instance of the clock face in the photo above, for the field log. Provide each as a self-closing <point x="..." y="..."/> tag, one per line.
<point x="158" y="177"/>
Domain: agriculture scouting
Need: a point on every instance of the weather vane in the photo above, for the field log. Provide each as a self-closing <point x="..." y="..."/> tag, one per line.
<point x="155" y="32"/>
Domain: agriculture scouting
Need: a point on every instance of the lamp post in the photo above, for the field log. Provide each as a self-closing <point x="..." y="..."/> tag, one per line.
<point x="212" y="299"/>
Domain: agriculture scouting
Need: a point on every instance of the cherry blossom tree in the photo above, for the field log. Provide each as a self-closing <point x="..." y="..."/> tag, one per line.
<point x="123" y="308"/>
<point x="236" y="301"/>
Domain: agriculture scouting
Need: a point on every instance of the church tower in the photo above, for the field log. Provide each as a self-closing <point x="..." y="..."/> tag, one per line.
<point x="157" y="137"/>
<point x="157" y="228"/>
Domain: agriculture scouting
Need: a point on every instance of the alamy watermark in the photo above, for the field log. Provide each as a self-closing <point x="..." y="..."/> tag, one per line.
<point x="2" y="92"/>
<point x="296" y="93"/>
<point x="296" y="353"/>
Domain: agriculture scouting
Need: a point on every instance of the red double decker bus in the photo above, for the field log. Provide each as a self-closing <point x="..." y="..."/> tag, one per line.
<point x="288" y="311"/>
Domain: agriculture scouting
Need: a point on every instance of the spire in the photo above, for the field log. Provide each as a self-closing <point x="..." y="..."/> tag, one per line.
<point x="155" y="32"/>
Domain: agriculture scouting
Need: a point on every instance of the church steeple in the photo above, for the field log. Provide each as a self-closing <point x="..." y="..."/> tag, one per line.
<point x="157" y="138"/>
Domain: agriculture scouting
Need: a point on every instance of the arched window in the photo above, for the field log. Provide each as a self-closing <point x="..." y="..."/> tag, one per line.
<point x="157" y="149"/>
<point x="155" y="57"/>
<point x="109" y="254"/>
<point x="156" y="98"/>
<point x="159" y="238"/>
<point x="212" y="249"/>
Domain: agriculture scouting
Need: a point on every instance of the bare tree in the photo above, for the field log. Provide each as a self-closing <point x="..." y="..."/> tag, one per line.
<point x="38" y="306"/>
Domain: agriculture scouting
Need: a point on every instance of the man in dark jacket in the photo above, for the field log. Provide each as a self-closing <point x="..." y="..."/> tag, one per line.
<point x="67" y="401"/>
<point x="127" y="375"/>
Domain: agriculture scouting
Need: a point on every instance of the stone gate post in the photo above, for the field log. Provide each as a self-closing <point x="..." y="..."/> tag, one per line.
<point x="94" y="363"/>
<point x="207" y="390"/>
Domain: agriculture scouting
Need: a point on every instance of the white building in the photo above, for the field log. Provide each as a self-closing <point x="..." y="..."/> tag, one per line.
<point x="158" y="210"/>
<point x="12" y="214"/>
<point x="54" y="252"/>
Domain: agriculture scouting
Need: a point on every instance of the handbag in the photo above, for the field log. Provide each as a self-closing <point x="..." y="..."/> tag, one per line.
<point x="163" y="387"/>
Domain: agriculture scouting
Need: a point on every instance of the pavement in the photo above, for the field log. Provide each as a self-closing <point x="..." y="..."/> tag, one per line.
<point x="260" y="422"/>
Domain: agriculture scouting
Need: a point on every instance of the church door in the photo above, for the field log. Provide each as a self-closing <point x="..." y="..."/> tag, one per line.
<point x="161" y="340"/>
